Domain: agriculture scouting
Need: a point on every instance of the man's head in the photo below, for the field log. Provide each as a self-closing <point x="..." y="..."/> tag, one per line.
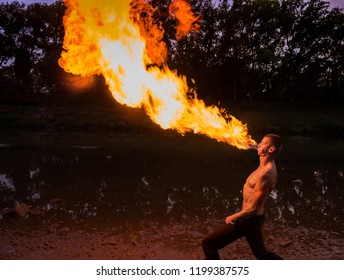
<point x="270" y="144"/>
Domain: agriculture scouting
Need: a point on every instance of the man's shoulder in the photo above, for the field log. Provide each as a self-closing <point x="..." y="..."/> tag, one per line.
<point x="268" y="174"/>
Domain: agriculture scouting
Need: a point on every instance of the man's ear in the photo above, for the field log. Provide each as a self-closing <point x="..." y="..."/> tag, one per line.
<point x="272" y="149"/>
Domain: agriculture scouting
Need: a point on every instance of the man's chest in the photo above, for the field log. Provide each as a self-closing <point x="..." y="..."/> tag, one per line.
<point x="252" y="179"/>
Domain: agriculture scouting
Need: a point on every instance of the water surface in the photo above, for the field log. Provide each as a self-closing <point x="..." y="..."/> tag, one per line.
<point x="107" y="180"/>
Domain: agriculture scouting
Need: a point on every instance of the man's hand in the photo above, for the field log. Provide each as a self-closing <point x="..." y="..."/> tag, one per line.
<point x="230" y="220"/>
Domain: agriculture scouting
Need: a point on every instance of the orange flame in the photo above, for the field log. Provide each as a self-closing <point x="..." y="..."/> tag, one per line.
<point x="120" y="40"/>
<point x="141" y="13"/>
<point x="181" y="10"/>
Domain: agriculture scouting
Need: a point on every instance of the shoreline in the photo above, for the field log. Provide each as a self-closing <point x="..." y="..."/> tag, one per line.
<point x="56" y="241"/>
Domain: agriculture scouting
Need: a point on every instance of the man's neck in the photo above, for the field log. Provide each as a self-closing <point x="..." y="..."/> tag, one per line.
<point x="265" y="160"/>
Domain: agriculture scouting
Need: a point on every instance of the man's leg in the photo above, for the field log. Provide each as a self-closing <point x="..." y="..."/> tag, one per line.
<point x="256" y="241"/>
<point x="220" y="238"/>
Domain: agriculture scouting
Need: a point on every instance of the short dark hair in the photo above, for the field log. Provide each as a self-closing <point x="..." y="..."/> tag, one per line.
<point x="276" y="142"/>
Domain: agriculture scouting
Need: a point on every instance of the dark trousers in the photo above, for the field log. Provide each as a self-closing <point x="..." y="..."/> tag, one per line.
<point x="251" y="228"/>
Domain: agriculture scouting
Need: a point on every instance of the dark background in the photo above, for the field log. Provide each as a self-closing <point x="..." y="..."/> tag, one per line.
<point x="255" y="50"/>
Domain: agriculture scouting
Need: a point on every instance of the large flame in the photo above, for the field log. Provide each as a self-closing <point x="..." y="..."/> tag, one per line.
<point x="121" y="41"/>
<point x="181" y="11"/>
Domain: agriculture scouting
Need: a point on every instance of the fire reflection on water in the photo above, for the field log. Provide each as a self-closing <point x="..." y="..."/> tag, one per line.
<point x="103" y="189"/>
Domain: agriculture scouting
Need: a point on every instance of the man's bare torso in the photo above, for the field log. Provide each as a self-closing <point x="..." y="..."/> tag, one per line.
<point x="269" y="175"/>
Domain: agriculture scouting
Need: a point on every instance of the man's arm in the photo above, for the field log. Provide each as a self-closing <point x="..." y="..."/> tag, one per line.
<point x="260" y="193"/>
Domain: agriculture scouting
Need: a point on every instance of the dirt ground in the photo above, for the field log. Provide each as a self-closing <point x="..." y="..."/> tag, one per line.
<point x="155" y="242"/>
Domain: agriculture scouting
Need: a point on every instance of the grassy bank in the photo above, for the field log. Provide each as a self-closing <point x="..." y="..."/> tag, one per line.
<point x="107" y="116"/>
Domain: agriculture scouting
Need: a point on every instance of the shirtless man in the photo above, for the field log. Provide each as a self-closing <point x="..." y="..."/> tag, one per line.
<point x="248" y="222"/>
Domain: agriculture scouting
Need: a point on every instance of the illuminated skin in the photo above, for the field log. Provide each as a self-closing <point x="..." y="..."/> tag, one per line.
<point x="258" y="184"/>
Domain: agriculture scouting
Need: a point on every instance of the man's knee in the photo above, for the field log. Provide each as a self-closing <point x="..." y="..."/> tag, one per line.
<point x="209" y="244"/>
<point x="210" y="249"/>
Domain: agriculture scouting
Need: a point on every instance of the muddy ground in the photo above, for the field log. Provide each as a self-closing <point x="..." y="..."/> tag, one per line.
<point x="155" y="241"/>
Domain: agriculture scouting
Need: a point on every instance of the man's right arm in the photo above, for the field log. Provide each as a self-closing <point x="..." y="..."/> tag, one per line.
<point x="256" y="202"/>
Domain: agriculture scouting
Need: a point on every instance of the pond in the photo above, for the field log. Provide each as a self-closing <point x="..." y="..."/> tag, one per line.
<point x="105" y="180"/>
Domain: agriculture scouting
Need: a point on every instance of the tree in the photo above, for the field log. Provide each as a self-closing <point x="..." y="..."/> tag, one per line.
<point x="276" y="50"/>
<point x="309" y="43"/>
<point x="31" y="42"/>
<point x="332" y="76"/>
<point x="45" y="21"/>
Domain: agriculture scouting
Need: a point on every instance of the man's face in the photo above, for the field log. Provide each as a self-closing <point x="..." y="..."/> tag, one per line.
<point x="264" y="146"/>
